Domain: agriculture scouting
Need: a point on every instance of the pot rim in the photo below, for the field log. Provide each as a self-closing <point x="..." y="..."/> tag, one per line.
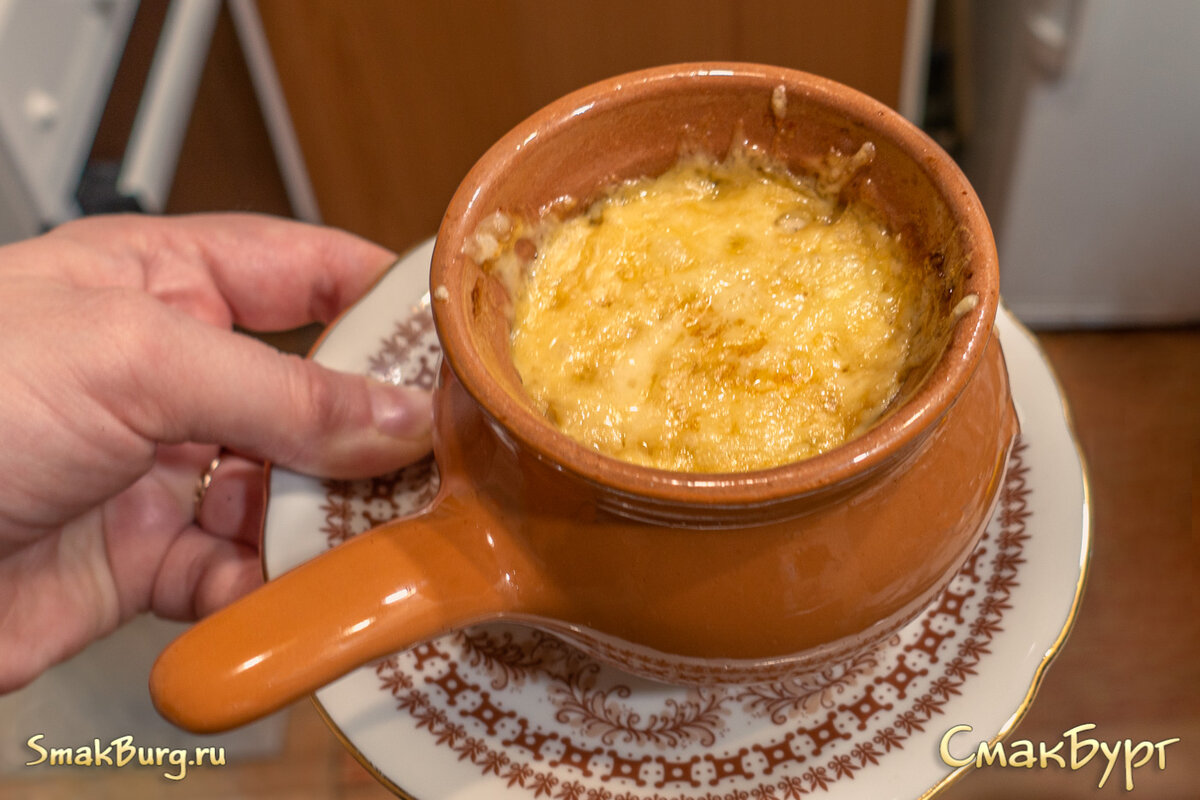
<point x="842" y="465"/>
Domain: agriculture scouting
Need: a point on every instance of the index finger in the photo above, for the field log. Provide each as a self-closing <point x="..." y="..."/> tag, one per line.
<point x="271" y="273"/>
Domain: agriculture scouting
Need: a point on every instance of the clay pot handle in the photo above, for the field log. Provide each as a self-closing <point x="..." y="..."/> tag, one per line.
<point x="380" y="592"/>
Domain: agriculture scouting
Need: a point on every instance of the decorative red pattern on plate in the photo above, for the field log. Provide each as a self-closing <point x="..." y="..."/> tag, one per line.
<point x="545" y="720"/>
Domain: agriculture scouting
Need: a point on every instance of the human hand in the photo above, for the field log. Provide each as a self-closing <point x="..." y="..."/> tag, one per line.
<point x="121" y="378"/>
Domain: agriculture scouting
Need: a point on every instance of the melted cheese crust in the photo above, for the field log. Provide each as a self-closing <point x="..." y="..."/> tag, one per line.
<point x="719" y="318"/>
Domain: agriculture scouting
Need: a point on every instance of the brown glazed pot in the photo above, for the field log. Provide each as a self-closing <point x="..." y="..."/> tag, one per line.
<point x="676" y="576"/>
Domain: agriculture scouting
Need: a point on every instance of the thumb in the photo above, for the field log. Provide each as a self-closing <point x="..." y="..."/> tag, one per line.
<point x="229" y="389"/>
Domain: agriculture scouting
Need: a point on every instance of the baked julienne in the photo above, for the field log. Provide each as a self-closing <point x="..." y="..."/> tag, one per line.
<point x="722" y="317"/>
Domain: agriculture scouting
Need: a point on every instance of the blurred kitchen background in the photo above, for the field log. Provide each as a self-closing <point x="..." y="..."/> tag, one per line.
<point x="1075" y="120"/>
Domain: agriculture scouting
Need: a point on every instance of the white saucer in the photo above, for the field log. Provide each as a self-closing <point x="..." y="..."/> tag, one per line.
<point x="502" y="712"/>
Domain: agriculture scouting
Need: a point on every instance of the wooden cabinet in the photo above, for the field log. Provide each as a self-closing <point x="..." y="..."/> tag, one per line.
<point x="393" y="100"/>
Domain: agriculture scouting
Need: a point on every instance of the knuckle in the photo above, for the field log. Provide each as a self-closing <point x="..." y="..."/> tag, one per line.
<point x="128" y="342"/>
<point x="133" y="318"/>
<point x="322" y="403"/>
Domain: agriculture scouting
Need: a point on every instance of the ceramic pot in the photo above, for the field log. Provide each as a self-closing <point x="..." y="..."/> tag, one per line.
<point x="675" y="576"/>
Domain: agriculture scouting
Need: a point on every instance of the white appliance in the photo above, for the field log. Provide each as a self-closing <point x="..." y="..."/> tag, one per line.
<point x="1084" y="143"/>
<point x="58" y="59"/>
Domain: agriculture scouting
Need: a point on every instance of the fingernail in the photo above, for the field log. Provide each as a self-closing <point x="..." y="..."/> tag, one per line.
<point x="400" y="411"/>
